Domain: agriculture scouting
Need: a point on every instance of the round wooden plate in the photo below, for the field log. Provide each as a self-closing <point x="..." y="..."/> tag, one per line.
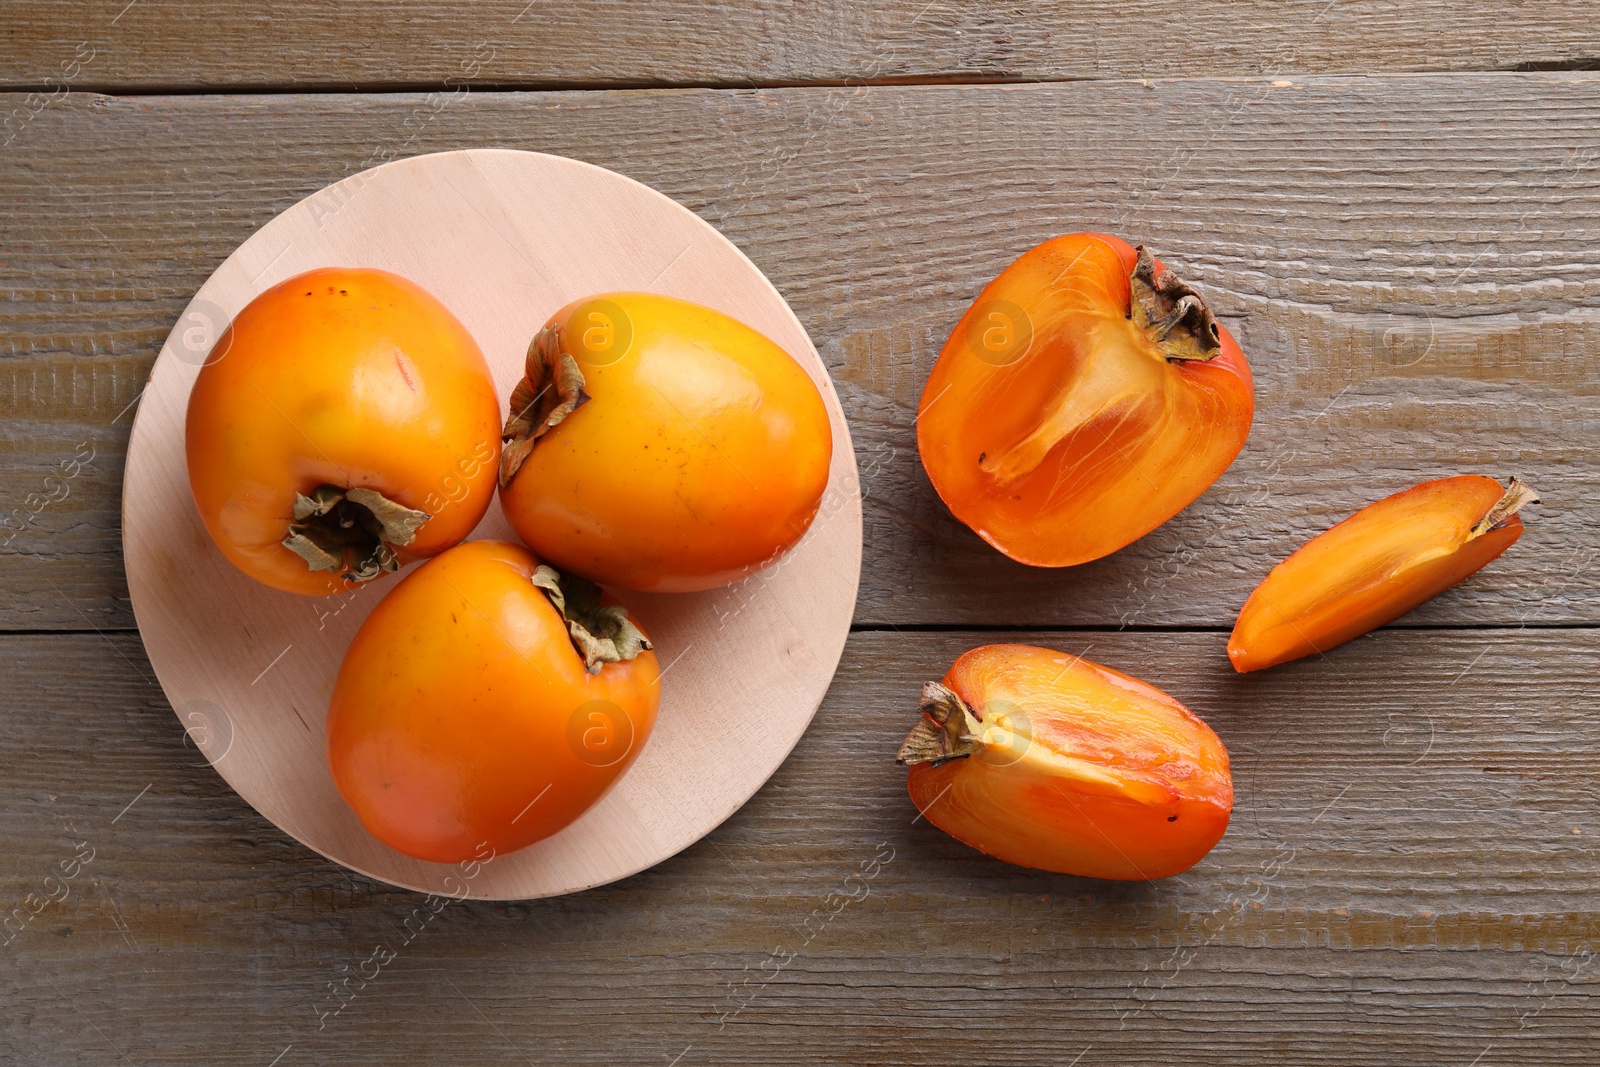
<point x="504" y="238"/>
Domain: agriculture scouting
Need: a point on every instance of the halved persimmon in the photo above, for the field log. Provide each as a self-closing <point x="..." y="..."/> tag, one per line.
<point x="1046" y="760"/>
<point x="1085" y="398"/>
<point x="1375" y="566"/>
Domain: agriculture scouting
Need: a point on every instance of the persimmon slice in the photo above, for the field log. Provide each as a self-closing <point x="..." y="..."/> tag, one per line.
<point x="1375" y="566"/>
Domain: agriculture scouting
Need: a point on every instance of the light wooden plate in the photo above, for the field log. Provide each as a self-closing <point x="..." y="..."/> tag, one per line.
<point x="504" y="239"/>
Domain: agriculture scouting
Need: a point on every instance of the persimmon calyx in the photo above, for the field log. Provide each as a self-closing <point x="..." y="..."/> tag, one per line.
<point x="1518" y="495"/>
<point x="602" y="633"/>
<point x="356" y="530"/>
<point x="1171" y="312"/>
<point x="551" y="389"/>
<point x="946" y="730"/>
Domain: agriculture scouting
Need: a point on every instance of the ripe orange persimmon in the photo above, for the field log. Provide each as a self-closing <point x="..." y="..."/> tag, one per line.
<point x="657" y="444"/>
<point x="487" y="699"/>
<point x="1375" y="566"/>
<point x="1047" y="760"/>
<point x="1085" y="398"/>
<point x="344" y="423"/>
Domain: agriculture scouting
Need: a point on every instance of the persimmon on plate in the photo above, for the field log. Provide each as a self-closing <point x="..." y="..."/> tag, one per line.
<point x="1086" y="397"/>
<point x="503" y="239"/>
<point x="1375" y="566"/>
<point x="658" y="444"/>
<point x="488" y="700"/>
<point x="344" y="422"/>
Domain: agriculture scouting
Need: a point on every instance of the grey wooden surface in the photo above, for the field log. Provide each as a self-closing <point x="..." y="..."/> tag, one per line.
<point x="1408" y="874"/>
<point x="151" y="45"/>
<point x="1409" y="260"/>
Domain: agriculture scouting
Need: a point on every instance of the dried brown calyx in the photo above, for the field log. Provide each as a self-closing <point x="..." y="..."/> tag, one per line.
<point x="602" y="633"/>
<point x="1517" y="495"/>
<point x="354" y="531"/>
<point x="551" y="389"/>
<point x="947" y="728"/>
<point x="1171" y="312"/>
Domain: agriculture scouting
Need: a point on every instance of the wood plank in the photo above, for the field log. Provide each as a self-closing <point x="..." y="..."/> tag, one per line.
<point x="116" y="46"/>
<point x="1409" y="261"/>
<point x="1408" y="877"/>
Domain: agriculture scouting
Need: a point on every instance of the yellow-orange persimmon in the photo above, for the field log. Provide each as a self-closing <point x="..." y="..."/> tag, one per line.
<point x="344" y="423"/>
<point x="658" y="444"/>
<point x="1086" y="397"/>
<point x="1047" y="760"/>
<point x="487" y="700"/>
<point x="1375" y="566"/>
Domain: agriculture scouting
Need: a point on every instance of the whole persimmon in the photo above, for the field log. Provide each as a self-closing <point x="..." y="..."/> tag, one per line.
<point x="1086" y="397"/>
<point x="661" y="445"/>
<point x="1046" y="760"/>
<point x="344" y="423"/>
<point x="488" y="699"/>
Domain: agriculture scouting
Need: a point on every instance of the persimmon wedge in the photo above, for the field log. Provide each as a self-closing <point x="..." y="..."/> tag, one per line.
<point x="1086" y="397"/>
<point x="1375" y="566"/>
<point x="1046" y="760"/>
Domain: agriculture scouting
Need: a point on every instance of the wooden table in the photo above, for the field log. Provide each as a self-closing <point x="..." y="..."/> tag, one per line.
<point x="1392" y="205"/>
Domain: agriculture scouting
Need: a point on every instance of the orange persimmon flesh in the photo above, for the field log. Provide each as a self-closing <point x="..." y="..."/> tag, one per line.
<point x="1375" y="566"/>
<point x="1085" y="398"/>
<point x="1046" y="760"/>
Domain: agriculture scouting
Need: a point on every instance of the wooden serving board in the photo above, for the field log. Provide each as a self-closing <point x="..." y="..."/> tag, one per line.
<point x="503" y="238"/>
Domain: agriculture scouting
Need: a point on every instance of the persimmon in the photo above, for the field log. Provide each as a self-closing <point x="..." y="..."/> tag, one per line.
<point x="1086" y="397"/>
<point x="1375" y="566"/>
<point x="1046" y="760"/>
<point x="658" y="444"/>
<point x="344" y="423"/>
<point x="487" y="698"/>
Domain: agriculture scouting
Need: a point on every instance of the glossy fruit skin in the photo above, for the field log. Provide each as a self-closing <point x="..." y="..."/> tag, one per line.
<point x="701" y="457"/>
<point x="1370" y="569"/>
<point x="1140" y="436"/>
<point x="462" y="714"/>
<point x="353" y="377"/>
<point x="1115" y="779"/>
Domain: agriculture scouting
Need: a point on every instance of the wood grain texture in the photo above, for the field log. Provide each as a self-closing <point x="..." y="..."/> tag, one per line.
<point x="166" y="44"/>
<point x="1408" y="878"/>
<point x="1410" y="263"/>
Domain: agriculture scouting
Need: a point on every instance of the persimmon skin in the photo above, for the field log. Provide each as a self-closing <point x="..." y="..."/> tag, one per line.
<point x="1147" y="434"/>
<point x="1370" y="569"/>
<point x="701" y="456"/>
<point x="1115" y="779"/>
<point x="451" y="721"/>
<point x="353" y="377"/>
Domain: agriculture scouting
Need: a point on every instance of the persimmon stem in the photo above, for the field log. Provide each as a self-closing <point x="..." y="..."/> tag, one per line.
<point x="602" y="633"/>
<point x="356" y="530"/>
<point x="1518" y="495"/>
<point x="946" y="730"/>
<point x="1172" y="312"/>
<point x="551" y="389"/>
